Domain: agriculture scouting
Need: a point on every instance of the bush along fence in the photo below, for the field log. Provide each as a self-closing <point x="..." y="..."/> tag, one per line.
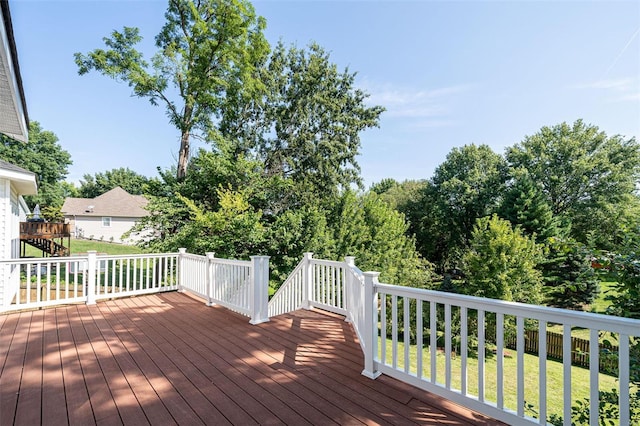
<point x="580" y="349"/>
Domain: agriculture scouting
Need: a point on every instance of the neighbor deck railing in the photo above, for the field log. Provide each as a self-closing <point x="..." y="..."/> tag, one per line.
<point x="429" y="338"/>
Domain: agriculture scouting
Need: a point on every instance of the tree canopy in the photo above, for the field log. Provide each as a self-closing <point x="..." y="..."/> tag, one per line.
<point x="582" y="173"/>
<point x="206" y="50"/>
<point x="501" y="263"/>
<point x="101" y="182"/>
<point x="44" y="156"/>
<point x="467" y="186"/>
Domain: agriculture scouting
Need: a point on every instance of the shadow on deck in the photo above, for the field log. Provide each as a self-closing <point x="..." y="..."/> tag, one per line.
<point x="169" y="359"/>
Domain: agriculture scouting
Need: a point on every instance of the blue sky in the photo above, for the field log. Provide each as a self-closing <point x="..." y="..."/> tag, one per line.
<point x="449" y="73"/>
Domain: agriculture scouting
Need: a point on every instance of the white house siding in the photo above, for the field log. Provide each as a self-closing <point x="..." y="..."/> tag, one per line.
<point x="5" y="242"/>
<point x="91" y="227"/>
<point x="9" y="240"/>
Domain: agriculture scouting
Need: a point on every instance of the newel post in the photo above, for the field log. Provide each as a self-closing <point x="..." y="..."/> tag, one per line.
<point x="181" y="271"/>
<point x="370" y="332"/>
<point x="307" y="281"/>
<point x="91" y="277"/>
<point x="211" y="277"/>
<point x="259" y="297"/>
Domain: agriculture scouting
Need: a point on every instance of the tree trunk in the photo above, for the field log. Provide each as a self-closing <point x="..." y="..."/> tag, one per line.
<point x="183" y="155"/>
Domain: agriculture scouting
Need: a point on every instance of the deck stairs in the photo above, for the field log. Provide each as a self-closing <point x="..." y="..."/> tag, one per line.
<point x="48" y="246"/>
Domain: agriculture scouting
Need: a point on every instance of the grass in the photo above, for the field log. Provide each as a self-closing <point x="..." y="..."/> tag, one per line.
<point x="82" y="246"/>
<point x="555" y="387"/>
<point x="600" y="305"/>
<point x="135" y="277"/>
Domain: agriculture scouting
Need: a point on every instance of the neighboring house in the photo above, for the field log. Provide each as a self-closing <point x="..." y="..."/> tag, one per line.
<point x="106" y="217"/>
<point x="14" y="181"/>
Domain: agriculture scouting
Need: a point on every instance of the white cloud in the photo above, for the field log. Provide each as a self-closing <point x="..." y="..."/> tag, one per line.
<point x="619" y="90"/>
<point x="431" y="107"/>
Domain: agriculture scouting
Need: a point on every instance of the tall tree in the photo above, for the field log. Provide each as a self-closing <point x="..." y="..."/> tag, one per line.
<point x="44" y="156"/>
<point x="368" y="228"/>
<point x="524" y="204"/>
<point x="569" y="280"/>
<point x="467" y="186"/>
<point x="582" y="172"/>
<point x="206" y="49"/>
<point x="501" y="263"/>
<point x="307" y="127"/>
<point x="125" y="178"/>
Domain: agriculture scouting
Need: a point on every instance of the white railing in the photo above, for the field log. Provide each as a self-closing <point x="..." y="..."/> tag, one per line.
<point x="455" y="345"/>
<point x="291" y="294"/>
<point x="313" y="283"/>
<point x="130" y="275"/>
<point x="354" y="300"/>
<point x="37" y="283"/>
<point x="464" y="323"/>
<point x="241" y="286"/>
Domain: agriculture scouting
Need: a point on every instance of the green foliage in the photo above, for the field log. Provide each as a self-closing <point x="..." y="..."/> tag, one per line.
<point x="130" y="181"/>
<point x="624" y="296"/>
<point x="295" y="232"/>
<point x="608" y="409"/>
<point x="501" y="263"/>
<point x="467" y="186"/>
<point x="306" y="128"/>
<point x="403" y="196"/>
<point x="43" y="156"/>
<point x="582" y="173"/>
<point x="524" y="204"/>
<point x="52" y="214"/>
<point x="569" y="280"/>
<point x="376" y="235"/>
<point x="206" y="50"/>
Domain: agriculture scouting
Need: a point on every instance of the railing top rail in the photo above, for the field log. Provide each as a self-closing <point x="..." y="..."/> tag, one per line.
<point x="233" y="262"/>
<point x="81" y="257"/>
<point x="36" y="260"/>
<point x="336" y="263"/>
<point x="217" y="260"/>
<point x="356" y="272"/>
<point x="136" y="256"/>
<point x="194" y="256"/>
<point x="564" y="316"/>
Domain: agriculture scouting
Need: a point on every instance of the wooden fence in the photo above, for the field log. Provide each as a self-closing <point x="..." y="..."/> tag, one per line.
<point x="579" y="350"/>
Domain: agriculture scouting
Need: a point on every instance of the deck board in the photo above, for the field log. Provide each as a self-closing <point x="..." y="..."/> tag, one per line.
<point x="170" y="359"/>
<point x="53" y="396"/>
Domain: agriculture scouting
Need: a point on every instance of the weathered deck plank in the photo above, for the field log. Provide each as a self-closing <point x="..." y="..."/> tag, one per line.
<point x="169" y="359"/>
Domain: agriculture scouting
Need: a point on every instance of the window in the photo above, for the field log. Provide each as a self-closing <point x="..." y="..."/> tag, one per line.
<point x="106" y="222"/>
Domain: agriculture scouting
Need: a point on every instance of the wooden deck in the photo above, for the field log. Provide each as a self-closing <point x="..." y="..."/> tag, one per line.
<point x="169" y="359"/>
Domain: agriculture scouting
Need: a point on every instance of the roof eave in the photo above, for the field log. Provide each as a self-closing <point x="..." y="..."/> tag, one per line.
<point x="14" y="124"/>
<point x="24" y="183"/>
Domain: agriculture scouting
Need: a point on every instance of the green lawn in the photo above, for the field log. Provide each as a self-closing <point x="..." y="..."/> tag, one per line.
<point x="600" y="305"/>
<point x="82" y="246"/>
<point x="579" y="377"/>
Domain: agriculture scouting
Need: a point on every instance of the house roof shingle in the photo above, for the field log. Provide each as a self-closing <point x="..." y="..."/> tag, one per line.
<point x="114" y="203"/>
